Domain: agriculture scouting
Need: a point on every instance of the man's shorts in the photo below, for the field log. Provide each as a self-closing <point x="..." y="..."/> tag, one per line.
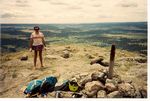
<point x="37" y="48"/>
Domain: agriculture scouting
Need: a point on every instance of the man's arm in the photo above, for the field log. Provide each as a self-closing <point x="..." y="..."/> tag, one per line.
<point x="31" y="42"/>
<point x="43" y="40"/>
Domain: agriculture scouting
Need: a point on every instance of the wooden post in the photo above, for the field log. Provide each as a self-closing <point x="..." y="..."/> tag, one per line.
<point x="111" y="64"/>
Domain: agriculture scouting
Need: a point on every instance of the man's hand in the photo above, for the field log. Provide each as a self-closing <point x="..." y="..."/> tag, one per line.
<point x="30" y="49"/>
<point x="45" y="48"/>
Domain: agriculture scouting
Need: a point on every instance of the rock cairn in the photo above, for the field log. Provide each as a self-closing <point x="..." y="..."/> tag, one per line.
<point x="97" y="85"/>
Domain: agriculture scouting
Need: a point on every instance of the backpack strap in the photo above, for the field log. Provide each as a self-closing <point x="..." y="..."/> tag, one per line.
<point x="33" y="84"/>
<point x="43" y="81"/>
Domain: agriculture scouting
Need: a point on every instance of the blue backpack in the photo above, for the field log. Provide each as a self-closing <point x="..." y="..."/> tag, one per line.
<point x="33" y="87"/>
<point x="41" y="86"/>
<point x="48" y="85"/>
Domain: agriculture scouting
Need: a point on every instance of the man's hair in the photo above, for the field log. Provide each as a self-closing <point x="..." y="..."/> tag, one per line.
<point x="36" y="28"/>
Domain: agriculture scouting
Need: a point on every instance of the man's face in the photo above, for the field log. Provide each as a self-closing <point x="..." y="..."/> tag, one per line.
<point x="36" y="30"/>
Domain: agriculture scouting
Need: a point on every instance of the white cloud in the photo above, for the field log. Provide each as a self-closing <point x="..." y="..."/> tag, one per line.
<point x="72" y="11"/>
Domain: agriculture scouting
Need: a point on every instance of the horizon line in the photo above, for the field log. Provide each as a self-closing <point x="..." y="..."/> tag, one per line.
<point x="82" y="22"/>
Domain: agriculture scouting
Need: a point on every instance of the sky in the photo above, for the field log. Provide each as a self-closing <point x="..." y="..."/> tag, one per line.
<point x="72" y="11"/>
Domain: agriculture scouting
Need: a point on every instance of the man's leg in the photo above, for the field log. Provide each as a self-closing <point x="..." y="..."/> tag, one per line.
<point x="41" y="58"/>
<point x="35" y="59"/>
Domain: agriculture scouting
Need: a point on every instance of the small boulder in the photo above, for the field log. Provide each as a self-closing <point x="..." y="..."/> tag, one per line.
<point x="84" y="96"/>
<point x="84" y="81"/>
<point x="67" y="47"/>
<point x="126" y="90"/>
<point x="98" y="60"/>
<point x="66" y="95"/>
<point x="115" y="94"/>
<point x="111" y="81"/>
<point x="89" y="56"/>
<point x="101" y="94"/>
<point x="77" y="77"/>
<point x="104" y="63"/>
<point x="99" y="76"/>
<point x="51" y="94"/>
<point x="138" y="94"/>
<point x="105" y="71"/>
<point x="24" y="58"/>
<point x="110" y="87"/>
<point x="91" y="88"/>
<point x="143" y="92"/>
<point x="117" y="79"/>
<point x="128" y="81"/>
<point x="91" y="93"/>
<point x="66" y="54"/>
<point x="83" y="75"/>
<point x="141" y="60"/>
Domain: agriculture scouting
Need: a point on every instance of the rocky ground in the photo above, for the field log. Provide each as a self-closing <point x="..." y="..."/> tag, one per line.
<point x="73" y="61"/>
